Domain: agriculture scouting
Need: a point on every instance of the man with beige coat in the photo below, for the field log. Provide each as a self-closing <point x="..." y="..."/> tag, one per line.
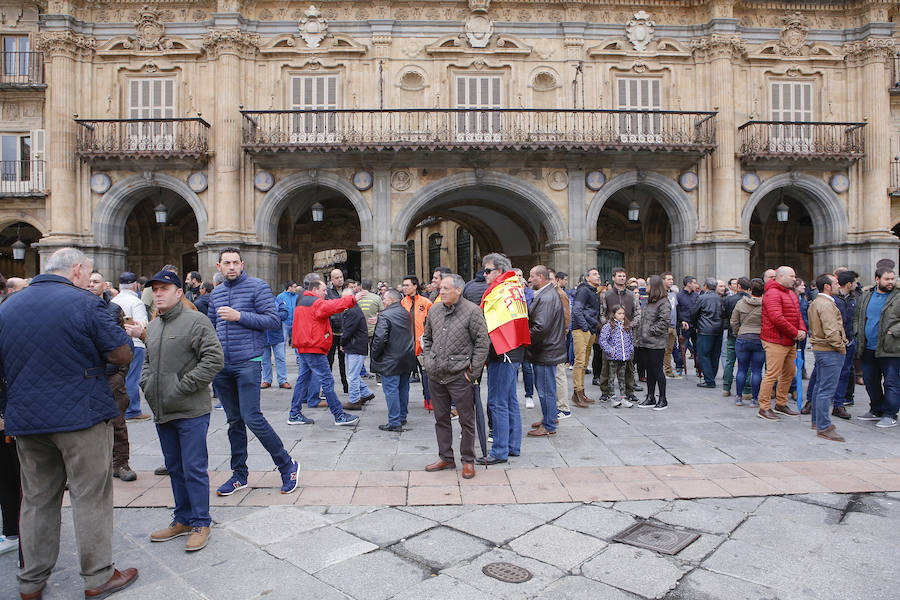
<point x="829" y="342"/>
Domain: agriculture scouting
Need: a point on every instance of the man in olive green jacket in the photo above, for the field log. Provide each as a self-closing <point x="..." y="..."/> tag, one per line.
<point x="183" y="356"/>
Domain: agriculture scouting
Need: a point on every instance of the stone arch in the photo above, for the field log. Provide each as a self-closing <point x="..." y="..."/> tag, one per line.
<point x="551" y="217"/>
<point x="830" y="221"/>
<point x="277" y="199"/>
<point x="681" y="211"/>
<point x="8" y="219"/>
<point x="111" y="213"/>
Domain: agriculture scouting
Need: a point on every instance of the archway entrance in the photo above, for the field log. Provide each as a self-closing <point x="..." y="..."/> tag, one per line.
<point x="27" y="267"/>
<point x="779" y="242"/>
<point x="641" y="246"/>
<point x="151" y="243"/>
<point x="306" y="244"/>
<point x="447" y="241"/>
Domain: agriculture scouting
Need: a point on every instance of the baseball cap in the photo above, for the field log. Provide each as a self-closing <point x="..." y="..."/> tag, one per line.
<point x="167" y="277"/>
<point x="127" y="277"/>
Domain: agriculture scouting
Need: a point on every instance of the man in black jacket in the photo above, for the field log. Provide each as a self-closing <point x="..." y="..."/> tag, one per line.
<point x="686" y="301"/>
<point x="355" y="345"/>
<point x="335" y="290"/>
<point x="707" y="320"/>
<point x="475" y="289"/>
<point x="546" y="323"/>
<point x="394" y="357"/>
<point x="743" y="289"/>
<point x="585" y="320"/>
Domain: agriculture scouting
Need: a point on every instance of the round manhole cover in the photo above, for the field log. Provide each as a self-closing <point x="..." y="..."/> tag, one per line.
<point x="506" y="572"/>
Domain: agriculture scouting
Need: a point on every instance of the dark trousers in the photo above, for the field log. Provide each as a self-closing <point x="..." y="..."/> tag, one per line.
<point x="709" y="350"/>
<point x="597" y="361"/>
<point x="845" y="381"/>
<point x="751" y="357"/>
<point x="882" y="379"/>
<point x="121" y="449"/>
<point x="527" y="378"/>
<point x="460" y="391"/>
<point x="656" y="375"/>
<point x="342" y="366"/>
<point x="10" y="485"/>
<point x="183" y="443"/>
<point x="640" y="362"/>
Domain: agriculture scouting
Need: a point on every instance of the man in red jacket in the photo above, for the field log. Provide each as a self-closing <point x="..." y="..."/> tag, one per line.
<point x="311" y="335"/>
<point x="782" y="328"/>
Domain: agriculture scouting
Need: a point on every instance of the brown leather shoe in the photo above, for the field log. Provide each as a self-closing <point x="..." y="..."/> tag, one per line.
<point x="585" y="398"/>
<point x="537" y="424"/>
<point x="807" y="408"/>
<point x="119" y="581"/>
<point x="33" y="595"/>
<point x="353" y="406"/>
<point x="830" y="433"/>
<point x="285" y="386"/>
<point x="440" y="465"/>
<point x="577" y="401"/>
<point x="768" y="414"/>
<point x="840" y="411"/>
<point x="197" y="540"/>
<point x="539" y="431"/>
<point x="468" y="471"/>
<point x="174" y="530"/>
<point x="786" y="410"/>
<point x="265" y="385"/>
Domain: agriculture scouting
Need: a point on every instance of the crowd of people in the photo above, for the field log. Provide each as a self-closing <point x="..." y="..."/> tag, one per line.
<point x="78" y="355"/>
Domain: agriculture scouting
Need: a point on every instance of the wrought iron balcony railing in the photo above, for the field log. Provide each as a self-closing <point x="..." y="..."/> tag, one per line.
<point x="895" y="174"/>
<point x="142" y="138"/>
<point x="449" y="129"/>
<point x="895" y="73"/>
<point x="19" y="69"/>
<point x="802" y="140"/>
<point x="22" y="178"/>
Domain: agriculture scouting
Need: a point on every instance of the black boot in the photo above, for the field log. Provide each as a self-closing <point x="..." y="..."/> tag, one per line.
<point x="661" y="404"/>
<point x="647" y="402"/>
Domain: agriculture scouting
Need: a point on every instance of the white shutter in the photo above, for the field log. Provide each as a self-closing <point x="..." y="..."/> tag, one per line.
<point x="38" y="151"/>
<point x="475" y="92"/>
<point x="640" y="94"/>
<point x="791" y="101"/>
<point x="314" y="93"/>
<point x="151" y="99"/>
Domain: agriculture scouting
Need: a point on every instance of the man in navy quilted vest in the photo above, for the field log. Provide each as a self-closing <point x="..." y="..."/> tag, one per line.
<point x="242" y="309"/>
<point x="55" y="341"/>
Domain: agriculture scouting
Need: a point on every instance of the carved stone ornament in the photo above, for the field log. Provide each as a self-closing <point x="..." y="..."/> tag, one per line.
<point x="479" y="29"/>
<point x="719" y="46"/>
<point x="793" y="34"/>
<point x="401" y="180"/>
<point x="313" y="27"/>
<point x="558" y="179"/>
<point x="869" y="48"/>
<point x="479" y="5"/>
<point x="63" y="43"/>
<point x="639" y="30"/>
<point x="233" y="41"/>
<point x="150" y="30"/>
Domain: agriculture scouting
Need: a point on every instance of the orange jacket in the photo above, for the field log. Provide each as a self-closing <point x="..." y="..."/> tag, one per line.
<point x="422" y="304"/>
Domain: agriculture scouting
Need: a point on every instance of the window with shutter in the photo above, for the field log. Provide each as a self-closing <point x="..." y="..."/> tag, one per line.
<point x="16" y="162"/>
<point x="410" y="256"/>
<point x="791" y="103"/>
<point x="317" y="94"/>
<point x="475" y="92"/>
<point x="16" y="62"/>
<point x="639" y="94"/>
<point x="151" y="100"/>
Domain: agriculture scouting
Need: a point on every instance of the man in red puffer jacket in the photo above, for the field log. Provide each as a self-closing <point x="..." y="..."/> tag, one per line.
<point x="782" y="328"/>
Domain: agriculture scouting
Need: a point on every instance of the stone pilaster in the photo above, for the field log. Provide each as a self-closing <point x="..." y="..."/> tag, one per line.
<point x="380" y="269"/>
<point x="577" y="209"/>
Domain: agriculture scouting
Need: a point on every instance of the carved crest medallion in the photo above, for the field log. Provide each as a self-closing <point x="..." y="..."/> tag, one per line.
<point x="313" y="27"/>
<point x="639" y="30"/>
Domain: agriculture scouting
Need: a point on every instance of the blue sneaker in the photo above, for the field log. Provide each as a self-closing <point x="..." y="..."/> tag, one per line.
<point x="346" y="419"/>
<point x="231" y="486"/>
<point x="290" y="479"/>
<point x="300" y="419"/>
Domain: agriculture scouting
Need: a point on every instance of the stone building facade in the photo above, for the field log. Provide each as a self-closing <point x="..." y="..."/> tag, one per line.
<point x="706" y="137"/>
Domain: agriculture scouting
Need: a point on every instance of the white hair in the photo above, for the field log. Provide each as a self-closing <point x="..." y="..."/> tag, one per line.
<point x="64" y="260"/>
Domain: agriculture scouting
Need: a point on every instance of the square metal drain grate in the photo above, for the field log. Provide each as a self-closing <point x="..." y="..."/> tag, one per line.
<point x="656" y="538"/>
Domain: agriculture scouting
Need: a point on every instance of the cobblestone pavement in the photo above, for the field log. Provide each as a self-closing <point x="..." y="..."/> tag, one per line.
<point x="818" y="546"/>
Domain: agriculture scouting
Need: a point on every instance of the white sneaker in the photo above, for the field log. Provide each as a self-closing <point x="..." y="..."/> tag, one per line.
<point x="886" y="422"/>
<point x="529" y="402"/>
<point x="617" y="403"/>
<point x="8" y="544"/>
<point x="563" y="414"/>
<point x="624" y="402"/>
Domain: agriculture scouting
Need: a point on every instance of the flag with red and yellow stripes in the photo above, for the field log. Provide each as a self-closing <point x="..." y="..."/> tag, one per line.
<point x="506" y="313"/>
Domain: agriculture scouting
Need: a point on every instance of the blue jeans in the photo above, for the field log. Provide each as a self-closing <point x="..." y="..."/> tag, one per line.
<point x="570" y="354"/>
<point x="545" y="381"/>
<point x="883" y="401"/>
<point x="828" y="371"/>
<point x="840" y="392"/>
<point x="504" y="407"/>
<point x="238" y="388"/>
<point x="527" y="378"/>
<point x="133" y="383"/>
<point x="358" y="388"/>
<point x="709" y="348"/>
<point x="396" y="394"/>
<point x="315" y="367"/>
<point x="280" y="364"/>
<point x="183" y="443"/>
<point x="751" y="357"/>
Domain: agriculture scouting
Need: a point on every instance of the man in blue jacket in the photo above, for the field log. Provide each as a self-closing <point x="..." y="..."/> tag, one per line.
<point x="242" y="309"/>
<point x="55" y="340"/>
<point x="275" y="344"/>
<point x="289" y="297"/>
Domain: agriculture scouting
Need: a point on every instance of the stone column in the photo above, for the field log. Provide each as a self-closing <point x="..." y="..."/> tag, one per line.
<point x="577" y="209"/>
<point x="380" y="230"/>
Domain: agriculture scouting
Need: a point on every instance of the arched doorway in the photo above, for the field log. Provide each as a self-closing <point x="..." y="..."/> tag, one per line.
<point x="29" y="266"/>
<point x="780" y="242"/>
<point x="151" y="243"/>
<point x="484" y="212"/>
<point x="446" y="241"/>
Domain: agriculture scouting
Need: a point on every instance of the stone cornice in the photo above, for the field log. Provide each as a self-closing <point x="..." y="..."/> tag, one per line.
<point x="217" y="42"/>
<point x="718" y="46"/>
<point x="868" y="50"/>
<point x="63" y="43"/>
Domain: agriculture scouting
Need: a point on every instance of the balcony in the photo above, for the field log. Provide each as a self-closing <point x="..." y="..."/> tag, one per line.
<point x="22" y="179"/>
<point x="895" y="74"/>
<point x="22" y="70"/>
<point x="895" y="177"/>
<point x="272" y="131"/>
<point x="133" y="139"/>
<point x="802" y="141"/>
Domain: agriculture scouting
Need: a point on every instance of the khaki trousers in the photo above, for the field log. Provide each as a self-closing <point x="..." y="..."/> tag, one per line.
<point x="779" y="367"/>
<point x="562" y="388"/>
<point x="670" y="345"/>
<point x="582" y="341"/>
<point x="48" y="460"/>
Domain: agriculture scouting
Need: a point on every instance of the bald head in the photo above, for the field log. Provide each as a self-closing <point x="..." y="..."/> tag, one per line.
<point x="768" y="275"/>
<point x="785" y="276"/>
<point x="15" y="284"/>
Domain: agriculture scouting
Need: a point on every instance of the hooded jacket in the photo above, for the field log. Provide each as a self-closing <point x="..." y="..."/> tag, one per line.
<point x="781" y="318"/>
<point x="311" y="331"/>
<point x="586" y="308"/>
<point x="746" y="319"/>
<point x="617" y="341"/>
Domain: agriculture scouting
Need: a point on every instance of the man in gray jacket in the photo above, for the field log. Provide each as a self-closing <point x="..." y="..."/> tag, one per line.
<point x="183" y="356"/>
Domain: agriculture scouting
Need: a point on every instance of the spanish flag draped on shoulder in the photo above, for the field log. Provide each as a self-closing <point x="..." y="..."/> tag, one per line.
<point x="506" y="313"/>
